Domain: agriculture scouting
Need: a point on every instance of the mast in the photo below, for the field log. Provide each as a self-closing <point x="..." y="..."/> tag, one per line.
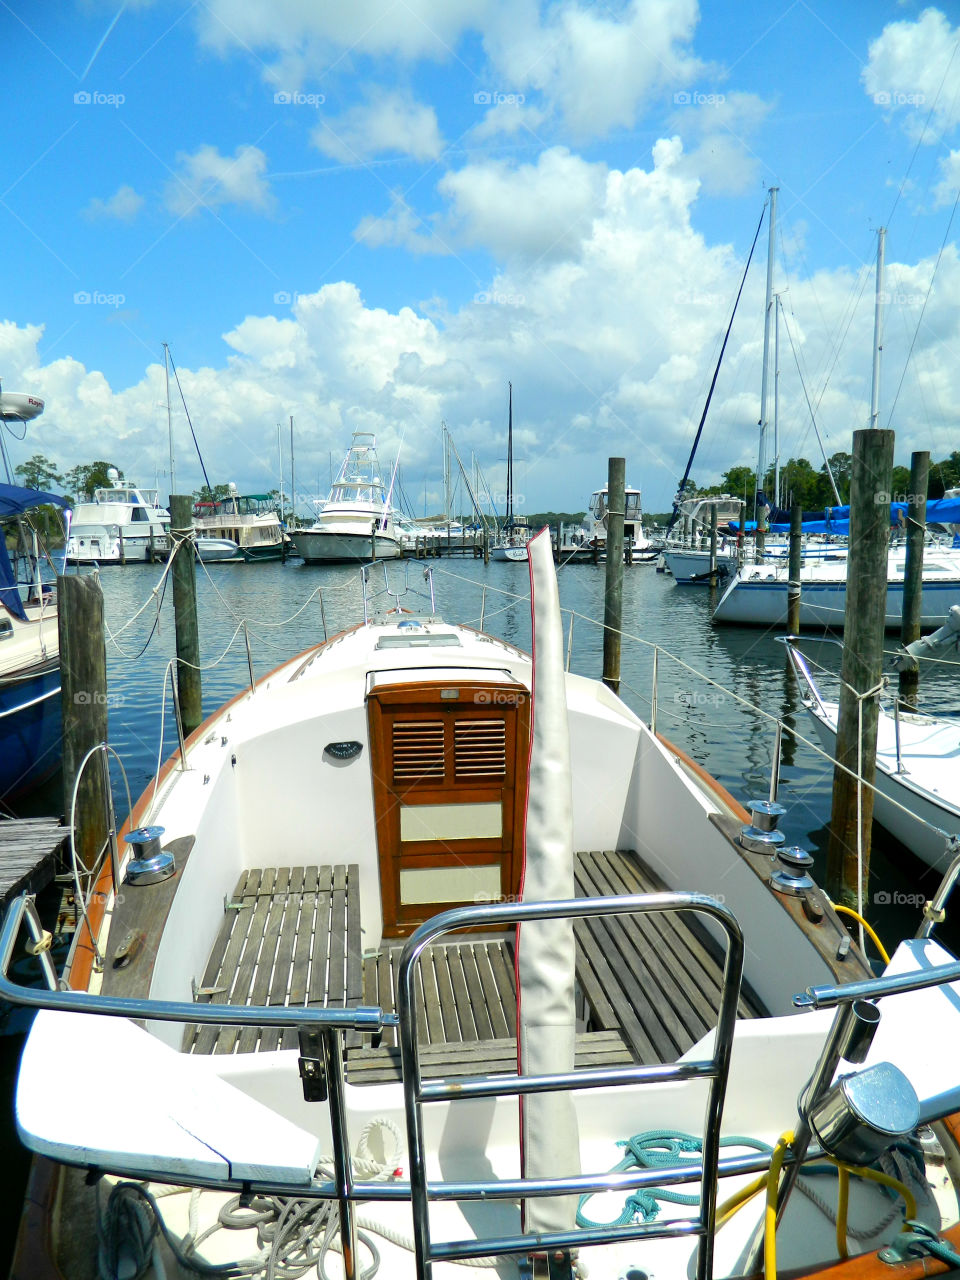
<point x="293" y="475"/>
<point x="877" y="331"/>
<point x="166" y="374"/>
<point x="280" y="452"/>
<point x="762" y="455"/>
<point x="508" y="522"/>
<point x="446" y="474"/>
<point x="776" y="400"/>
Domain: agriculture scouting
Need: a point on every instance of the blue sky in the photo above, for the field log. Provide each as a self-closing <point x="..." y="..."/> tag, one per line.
<point x="373" y="216"/>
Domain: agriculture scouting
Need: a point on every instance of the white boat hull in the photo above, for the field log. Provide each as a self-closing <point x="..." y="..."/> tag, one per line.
<point x="106" y="549"/>
<point x="320" y="547"/>
<point x="508" y="553"/>
<point x="210" y="550"/>
<point x="756" y="598"/>
<point x="929" y="753"/>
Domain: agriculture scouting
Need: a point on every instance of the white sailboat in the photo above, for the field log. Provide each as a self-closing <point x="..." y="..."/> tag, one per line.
<point x="513" y="535"/>
<point x="356" y="522"/>
<point x="378" y="784"/>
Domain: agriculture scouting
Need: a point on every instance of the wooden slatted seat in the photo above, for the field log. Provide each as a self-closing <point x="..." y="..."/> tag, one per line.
<point x="289" y="936"/>
<point x="656" y="977"/>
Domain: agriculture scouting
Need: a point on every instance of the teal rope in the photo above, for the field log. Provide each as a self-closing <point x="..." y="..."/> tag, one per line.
<point x="657" y="1149"/>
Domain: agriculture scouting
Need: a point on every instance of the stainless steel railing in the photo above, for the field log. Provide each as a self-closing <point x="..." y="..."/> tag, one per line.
<point x="416" y="1093"/>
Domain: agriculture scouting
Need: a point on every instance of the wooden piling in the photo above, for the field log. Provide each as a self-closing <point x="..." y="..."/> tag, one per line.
<point x="613" y="587"/>
<point x="862" y="663"/>
<point x="713" y="547"/>
<point x="373" y="540"/>
<point x="123" y="549"/>
<point x="486" y="545"/>
<point x="913" y="569"/>
<point x="83" y="683"/>
<point x="185" y="612"/>
<point x="796" y="559"/>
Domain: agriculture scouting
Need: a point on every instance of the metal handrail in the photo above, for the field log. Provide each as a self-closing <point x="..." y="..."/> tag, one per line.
<point x="416" y="1093"/>
<point x="370" y="595"/>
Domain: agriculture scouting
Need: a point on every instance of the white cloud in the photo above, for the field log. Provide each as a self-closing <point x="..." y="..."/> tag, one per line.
<point x="610" y="348"/>
<point x="912" y="70"/>
<point x="123" y="205"/>
<point x="506" y="117"/>
<point x="722" y="126"/>
<point x="400" y="228"/>
<point x="540" y="210"/>
<point x="945" y="192"/>
<point x="389" y="124"/>
<point x="208" y="180"/>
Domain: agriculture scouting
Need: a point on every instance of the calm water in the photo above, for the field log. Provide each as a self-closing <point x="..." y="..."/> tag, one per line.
<point x="282" y="606"/>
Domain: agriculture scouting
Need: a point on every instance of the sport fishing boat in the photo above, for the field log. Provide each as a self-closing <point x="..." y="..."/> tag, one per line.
<point x="123" y="524"/>
<point x="29" y="649"/>
<point x="356" y="522"/>
<point x="590" y="540"/>
<point x="424" y="950"/>
<point x="249" y="521"/>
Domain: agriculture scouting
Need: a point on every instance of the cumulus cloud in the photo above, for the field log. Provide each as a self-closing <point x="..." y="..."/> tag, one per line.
<point x="718" y="130"/>
<point x="400" y="228"/>
<point x="912" y="70"/>
<point x="540" y="210"/>
<point x="209" y="180"/>
<point x="123" y="205"/>
<point x="610" y="347"/>
<point x="388" y="124"/>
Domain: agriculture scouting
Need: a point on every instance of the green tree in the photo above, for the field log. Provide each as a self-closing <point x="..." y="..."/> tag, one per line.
<point x="216" y="494"/>
<point x="841" y="464"/>
<point x="740" y="482"/>
<point x="39" y="473"/>
<point x="85" y="477"/>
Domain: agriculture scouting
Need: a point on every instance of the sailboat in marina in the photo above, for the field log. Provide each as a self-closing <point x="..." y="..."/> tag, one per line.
<point x="339" y="1043"/>
<point x="512" y="536"/>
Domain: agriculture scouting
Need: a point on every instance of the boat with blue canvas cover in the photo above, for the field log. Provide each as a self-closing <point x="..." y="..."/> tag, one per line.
<point x="30" y="722"/>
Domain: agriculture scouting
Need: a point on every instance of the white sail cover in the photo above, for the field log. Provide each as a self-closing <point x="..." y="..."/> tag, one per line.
<point x="546" y="1022"/>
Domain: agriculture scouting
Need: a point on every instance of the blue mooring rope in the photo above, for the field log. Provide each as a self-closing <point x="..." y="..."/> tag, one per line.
<point x="657" y="1149"/>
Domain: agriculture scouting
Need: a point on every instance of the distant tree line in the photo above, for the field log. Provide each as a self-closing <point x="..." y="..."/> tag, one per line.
<point x="811" y="487"/>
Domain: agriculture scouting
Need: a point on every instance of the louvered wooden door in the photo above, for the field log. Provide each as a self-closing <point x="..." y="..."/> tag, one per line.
<point x="449" y="770"/>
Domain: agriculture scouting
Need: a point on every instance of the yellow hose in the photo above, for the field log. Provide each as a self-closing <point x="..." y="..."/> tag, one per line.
<point x="872" y="933"/>
<point x="739" y="1198"/>
<point x="843" y="1200"/>
<point x="770" y="1217"/>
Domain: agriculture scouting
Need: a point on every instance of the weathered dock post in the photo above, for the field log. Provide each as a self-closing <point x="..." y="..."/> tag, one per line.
<point x="713" y="547"/>
<point x="862" y="666"/>
<point x="123" y="549"/>
<point x="83" y="683"/>
<point x="793" y="569"/>
<point x="613" y="583"/>
<point x="486" y="544"/>
<point x="185" y="611"/>
<point x="913" y="570"/>
<point x="373" y="540"/>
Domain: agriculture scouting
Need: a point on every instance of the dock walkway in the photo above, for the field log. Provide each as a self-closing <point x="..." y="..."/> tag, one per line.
<point x="29" y="852"/>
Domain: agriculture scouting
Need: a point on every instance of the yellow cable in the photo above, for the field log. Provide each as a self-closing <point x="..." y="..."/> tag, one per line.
<point x="849" y="911"/>
<point x="843" y="1200"/>
<point x="874" y="1175"/>
<point x="739" y="1198"/>
<point x="770" y="1217"/>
